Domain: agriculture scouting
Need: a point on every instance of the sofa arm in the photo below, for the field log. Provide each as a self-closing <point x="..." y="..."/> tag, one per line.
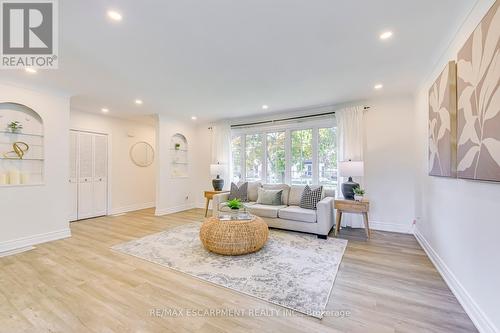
<point x="217" y="200"/>
<point x="326" y="215"/>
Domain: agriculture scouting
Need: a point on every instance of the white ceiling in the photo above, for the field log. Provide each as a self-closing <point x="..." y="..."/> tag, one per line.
<point x="225" y="58"/>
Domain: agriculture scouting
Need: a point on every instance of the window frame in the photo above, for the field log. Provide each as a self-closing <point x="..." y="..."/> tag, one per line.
<point x="314" y="124"/>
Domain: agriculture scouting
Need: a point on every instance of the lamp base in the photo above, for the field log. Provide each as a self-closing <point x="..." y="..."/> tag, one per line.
<point x="218" y="184"/>
<point x="348" y="189"/>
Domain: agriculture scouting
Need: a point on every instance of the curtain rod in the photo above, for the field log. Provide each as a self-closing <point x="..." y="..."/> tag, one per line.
<point x="286" y="119"/>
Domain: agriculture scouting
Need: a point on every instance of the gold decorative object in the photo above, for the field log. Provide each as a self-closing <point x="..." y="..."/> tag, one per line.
<point x="234" y="237"/>
<point x="20" y="148"/>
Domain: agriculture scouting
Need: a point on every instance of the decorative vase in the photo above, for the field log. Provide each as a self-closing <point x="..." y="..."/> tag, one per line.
<point x="358" y="197"/>
<point x="218" y="183"/>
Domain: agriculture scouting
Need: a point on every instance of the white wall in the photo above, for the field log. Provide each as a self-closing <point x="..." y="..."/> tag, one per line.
<point x="389" y="163"/>
<point x="175" y="194"/>
<point x="459" y="220"/>
<point x="35" y="214"/>
<point x="131" y="187"/>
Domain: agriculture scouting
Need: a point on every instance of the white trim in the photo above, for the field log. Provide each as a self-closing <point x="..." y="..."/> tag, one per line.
<point x="402" y="228"/>
<point x="131" y="208"/>
<point x="175" y="209"/>
<point x="16" y="251"/>
<point x="478" y="317"/>
<point x="17" y="245"/>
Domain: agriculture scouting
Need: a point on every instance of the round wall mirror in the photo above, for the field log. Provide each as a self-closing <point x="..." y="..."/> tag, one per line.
<point x="142" y="154"/>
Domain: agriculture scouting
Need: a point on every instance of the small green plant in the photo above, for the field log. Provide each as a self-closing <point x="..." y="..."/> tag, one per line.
<point x="234" y="204"/>
<point x="15" y="126"/>
<point x="177" y="146"/>
<point x="358" y="191"/>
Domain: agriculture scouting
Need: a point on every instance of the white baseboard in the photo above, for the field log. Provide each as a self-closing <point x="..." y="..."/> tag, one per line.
<point x="357" y="222"/>
<point x="478" y="317"/>
<point x="16" y="251"/>
<point x="25" y="243"/>
<point x="175" y="209"/>
<point x="131" y="208"/>
<point x="401" y="228"/>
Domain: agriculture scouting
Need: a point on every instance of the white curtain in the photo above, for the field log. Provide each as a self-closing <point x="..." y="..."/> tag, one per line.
<point x="221" y="149"/>
<point x="350" y="141"/>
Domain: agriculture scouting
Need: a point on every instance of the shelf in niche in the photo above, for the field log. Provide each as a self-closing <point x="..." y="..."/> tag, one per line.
<point x="25" y="134"/>
<point x="183" y="150"/>
<point x="30" y="144"/>
<point x="21" y="185"/>
<point x="183" y="163"/>
<point x="21" y="159"/>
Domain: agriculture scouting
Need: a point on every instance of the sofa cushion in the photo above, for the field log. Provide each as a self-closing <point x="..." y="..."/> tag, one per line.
<point x="310" y="197"/>
<point x="252" y="190"/>
<point x="284" y="187"/>
<point x="270" y="197"/>
<point x="264" y="210"/>
<point x="296" y="213"/>
<point x="328" y="192"/>
<point x="295" y="194"/>
<point x="239" y="192"/>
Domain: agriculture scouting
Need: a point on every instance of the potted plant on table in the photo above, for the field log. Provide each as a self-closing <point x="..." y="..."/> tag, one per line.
<point x="235" y="205"/>
<point x="358" y="193"/>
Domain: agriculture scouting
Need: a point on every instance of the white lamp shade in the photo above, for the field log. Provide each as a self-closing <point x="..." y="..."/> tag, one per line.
<point x="217" y="169"/>
<point x="351" y="169"/>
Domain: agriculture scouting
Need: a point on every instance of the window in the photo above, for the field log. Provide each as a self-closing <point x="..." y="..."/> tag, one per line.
<point x="254" y="156"/>
<point x="237" y="158"/>
<point x="299" y="153"/>
<point x="327" y="156"/>
<point x="275" y="158"/>
<point x="302" y="156"/>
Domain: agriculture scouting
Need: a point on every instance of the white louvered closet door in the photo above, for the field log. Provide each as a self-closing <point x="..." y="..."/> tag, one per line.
<point x="85" y="176"/>
<point x="73" y="175"/>
<point x="91" y="151"/>
<point x="100" y="180"/>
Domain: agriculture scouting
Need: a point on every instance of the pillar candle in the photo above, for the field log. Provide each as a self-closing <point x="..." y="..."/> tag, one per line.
<point x="4" y="179"/>
<point x="25" y="178"/>
<point x="14" y="177"/>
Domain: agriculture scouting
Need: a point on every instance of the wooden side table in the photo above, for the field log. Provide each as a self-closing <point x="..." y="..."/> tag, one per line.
<point x="209" y="195"/>
<point x="352" y="206"/>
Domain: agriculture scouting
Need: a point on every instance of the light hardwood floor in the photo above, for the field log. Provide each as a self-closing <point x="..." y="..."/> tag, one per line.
<point x="80" y="285"/>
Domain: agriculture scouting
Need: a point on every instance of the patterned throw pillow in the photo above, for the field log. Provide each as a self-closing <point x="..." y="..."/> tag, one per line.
<point x="269" y="197"/>
<point x="310" y="198"/>
<point x="239" y="192"/>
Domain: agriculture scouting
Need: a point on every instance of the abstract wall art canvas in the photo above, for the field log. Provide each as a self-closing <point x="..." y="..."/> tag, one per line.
<point x="442" y="123"/>
<point x="478" y="76"/>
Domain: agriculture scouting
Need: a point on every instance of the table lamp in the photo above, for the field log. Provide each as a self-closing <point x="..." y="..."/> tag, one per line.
<point x="350" y="169"/>
<point x="217" y="170"/>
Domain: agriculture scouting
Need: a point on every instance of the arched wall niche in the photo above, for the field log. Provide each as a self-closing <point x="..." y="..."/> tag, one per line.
<point x="21" y="145"/>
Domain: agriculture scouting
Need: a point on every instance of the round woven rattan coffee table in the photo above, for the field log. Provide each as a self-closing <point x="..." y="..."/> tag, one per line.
<point x="234" y="237"/>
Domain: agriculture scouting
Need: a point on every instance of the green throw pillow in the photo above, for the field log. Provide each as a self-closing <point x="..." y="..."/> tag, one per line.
<point x="269" y="197"/>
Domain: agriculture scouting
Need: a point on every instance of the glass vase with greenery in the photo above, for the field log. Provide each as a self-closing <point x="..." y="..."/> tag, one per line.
<point x="15" y="127"/>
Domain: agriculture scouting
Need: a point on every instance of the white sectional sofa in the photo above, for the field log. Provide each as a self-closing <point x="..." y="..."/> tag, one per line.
<point x="289" y="215"/>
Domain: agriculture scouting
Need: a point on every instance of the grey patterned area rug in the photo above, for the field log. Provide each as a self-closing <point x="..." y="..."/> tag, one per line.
<point x="293" y="270"/>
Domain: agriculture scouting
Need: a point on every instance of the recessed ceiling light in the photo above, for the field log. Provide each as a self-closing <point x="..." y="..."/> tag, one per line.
<point x="378" y="86"/>
<point x="105" y="110"/>
<point x="386" y="35"/>
<point x="194" y="117"/>
<point x="30" y="70"/>
<point x="138" y="102"/>
<point x="114" y="15"/>
<point x="265" y="107"/>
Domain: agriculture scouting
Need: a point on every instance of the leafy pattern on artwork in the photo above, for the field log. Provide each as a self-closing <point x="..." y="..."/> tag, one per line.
<point x="442" y="125"/>
<point x="478" y="71"/>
